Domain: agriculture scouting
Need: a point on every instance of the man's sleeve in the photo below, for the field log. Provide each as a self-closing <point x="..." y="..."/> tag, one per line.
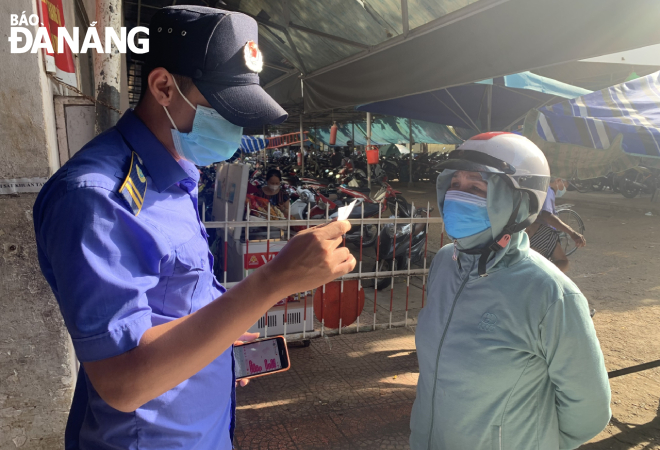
<point x="102" y="261"/>
<point x="548" y="203"/>
<point x="577" y="369"/>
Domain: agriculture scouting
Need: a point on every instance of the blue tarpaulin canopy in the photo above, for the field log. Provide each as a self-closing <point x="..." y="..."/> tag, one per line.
<point x="250" y="144"/>
<point x="606" y="131"/>
<point x="631" y="109"/>
<point x="390" y="130"/>
<point x="467" y="106"/>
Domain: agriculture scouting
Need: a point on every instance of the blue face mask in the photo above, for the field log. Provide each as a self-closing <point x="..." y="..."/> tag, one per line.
<point x="212" y="139"/>
<point x="562" y="192"/>
<point x="464" y="214"/>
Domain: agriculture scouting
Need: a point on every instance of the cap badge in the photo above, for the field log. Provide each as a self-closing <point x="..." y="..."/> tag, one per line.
<point x="253" y="58"/>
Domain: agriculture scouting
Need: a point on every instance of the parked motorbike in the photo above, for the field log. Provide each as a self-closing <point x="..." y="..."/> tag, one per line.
<point x="315" y="201"/>
<point x="594" y="184"/>
<point x="396" y="247"/>
<point x="637" y="180"/>
<point x="390" y="165"/>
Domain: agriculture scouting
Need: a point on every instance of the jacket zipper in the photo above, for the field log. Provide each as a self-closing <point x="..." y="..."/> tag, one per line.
<point x="437" y="358"/>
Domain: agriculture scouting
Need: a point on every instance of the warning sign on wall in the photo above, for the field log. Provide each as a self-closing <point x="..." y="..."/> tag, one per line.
<point x="21" y="185"/>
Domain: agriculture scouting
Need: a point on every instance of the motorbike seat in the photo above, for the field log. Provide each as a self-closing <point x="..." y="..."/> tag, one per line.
<point x="370" y="210"/>
<point x="362" y="190"/>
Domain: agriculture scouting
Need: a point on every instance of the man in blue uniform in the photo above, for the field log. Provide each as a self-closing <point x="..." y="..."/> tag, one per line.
<point x="122" y="245"/>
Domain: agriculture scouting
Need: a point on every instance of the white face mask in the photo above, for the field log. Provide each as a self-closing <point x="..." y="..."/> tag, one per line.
<point x="562" y="191"/>
<point x="274" y="187"/>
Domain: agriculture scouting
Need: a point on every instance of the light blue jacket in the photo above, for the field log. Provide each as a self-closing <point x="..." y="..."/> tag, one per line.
<point x="507" y="361"/>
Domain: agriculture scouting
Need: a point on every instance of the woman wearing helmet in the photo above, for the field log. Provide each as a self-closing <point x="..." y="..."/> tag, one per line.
<point x="508" y="355"/>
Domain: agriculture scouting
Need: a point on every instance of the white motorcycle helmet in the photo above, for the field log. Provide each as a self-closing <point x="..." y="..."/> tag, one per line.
<point x="519" y="162"/>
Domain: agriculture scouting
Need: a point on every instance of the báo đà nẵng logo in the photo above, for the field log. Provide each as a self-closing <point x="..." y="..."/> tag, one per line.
<point x="56" y="41"/>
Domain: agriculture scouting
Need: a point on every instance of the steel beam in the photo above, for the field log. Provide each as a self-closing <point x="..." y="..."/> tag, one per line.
<point x="404" y="17"/>
<point x="328" y="36"/>
<point x="280" y="68"/>
<point x="303" y="69"/>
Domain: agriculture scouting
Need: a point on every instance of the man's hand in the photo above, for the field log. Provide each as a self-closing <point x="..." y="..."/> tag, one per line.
<point x="580" y="241"/>
<point x="247" y="337"/>
<point x="310" y="259"/>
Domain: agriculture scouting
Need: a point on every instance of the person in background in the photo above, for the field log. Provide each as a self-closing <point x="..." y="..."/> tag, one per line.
<point x="277" y="154"/>
<point x="336" y="158"/>
<point x="347" y="161"/>
<point x="350" y="146"/>
<point x="273" y="192"/>
<point x="544" y="233"/>
<point x="508" y="355"/>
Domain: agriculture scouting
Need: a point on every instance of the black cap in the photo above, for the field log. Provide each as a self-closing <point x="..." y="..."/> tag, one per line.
<point x="218" y="50"/>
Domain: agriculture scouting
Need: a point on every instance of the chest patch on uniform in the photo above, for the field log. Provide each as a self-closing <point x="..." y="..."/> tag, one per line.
<point x="134" y="187"/>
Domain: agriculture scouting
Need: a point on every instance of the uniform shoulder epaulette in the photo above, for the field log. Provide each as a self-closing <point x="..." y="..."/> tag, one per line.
<point x="134" y="187"/>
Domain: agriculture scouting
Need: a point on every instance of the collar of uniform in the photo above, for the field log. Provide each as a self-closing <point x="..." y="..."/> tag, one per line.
<point x="190" y="169"/>
<point x="162" y="167"/>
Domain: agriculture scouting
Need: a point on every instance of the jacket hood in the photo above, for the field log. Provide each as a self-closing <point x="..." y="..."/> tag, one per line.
<point x="501" y="200"/>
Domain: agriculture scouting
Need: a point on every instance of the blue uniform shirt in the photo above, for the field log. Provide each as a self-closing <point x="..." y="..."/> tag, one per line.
<point x="548" y="205"/>
<point x="115" y="274"/>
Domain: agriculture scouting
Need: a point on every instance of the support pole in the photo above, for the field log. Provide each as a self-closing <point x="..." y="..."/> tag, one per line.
<point x="107" y="66"/>
<point x="368" y="145"/>
<point x="302" y="145"/>
<point x="352" y="136"/>
<point x="265" y="152"/>
<point x="410" y="155"/>
<point x="489" y="105"/>
<point x="404" y="17"/>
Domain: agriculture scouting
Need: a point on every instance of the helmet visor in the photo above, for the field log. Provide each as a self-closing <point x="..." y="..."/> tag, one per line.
<point x="475" y="161"/>
<point x="532" y="182"/>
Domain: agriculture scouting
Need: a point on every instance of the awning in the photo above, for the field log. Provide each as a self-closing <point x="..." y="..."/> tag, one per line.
<point x="608" y="130"/>
<point x="251" y="144"/>
<point x="390" y="130"/>
<point x="492" y="104"/>
<point x="352" y="52"/>
<point x="484" y="39"/>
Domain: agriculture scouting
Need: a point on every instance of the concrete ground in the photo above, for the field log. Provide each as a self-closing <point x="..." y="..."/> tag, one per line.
<point x="356" y="390"/>
<point x="342" y="392"/>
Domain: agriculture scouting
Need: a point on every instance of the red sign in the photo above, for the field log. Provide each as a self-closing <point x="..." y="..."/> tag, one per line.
<point x="256" y="260"/>
<point x="52" y="17"/>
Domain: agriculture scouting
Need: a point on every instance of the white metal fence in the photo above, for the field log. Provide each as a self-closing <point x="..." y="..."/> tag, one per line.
<point x="297" y="321"/>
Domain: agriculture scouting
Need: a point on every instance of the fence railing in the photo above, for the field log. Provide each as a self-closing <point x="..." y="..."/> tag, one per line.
<point x="297" y="321"/>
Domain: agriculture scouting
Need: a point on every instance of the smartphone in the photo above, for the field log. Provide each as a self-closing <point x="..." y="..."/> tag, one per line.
<point x="261" y="357"/>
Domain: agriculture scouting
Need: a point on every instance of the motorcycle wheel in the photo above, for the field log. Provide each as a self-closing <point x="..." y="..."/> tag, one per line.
<point x="627" y="190"/>
<point x="384" y="265"/>
<point x="625" y="186"/>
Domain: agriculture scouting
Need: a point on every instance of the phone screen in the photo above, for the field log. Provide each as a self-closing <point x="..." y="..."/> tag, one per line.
<point x="257" y="357"/>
